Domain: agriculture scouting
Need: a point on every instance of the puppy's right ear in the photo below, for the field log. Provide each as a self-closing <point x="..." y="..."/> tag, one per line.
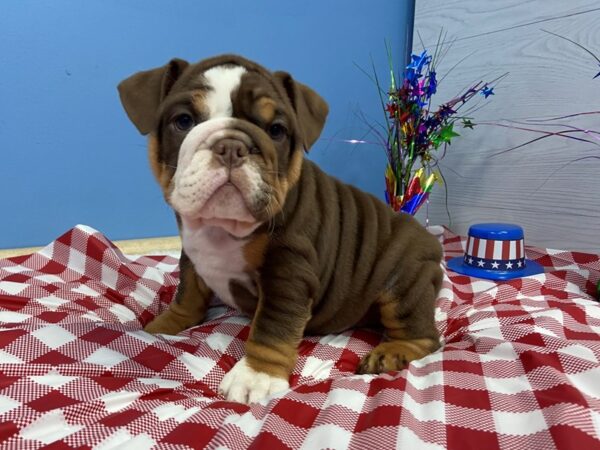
<point x="142" y="93"/>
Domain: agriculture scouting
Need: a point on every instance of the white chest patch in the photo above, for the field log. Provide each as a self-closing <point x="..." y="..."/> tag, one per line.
<point x="223" y="80"/>
<point x="218" y="258"/>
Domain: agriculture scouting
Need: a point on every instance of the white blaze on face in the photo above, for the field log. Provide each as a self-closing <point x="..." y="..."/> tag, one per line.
<point x="223" y="80"/>
<point x="201" y="189"/>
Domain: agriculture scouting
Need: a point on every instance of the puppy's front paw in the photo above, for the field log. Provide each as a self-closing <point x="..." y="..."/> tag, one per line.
<point x="396" y="355"/>
<point x="167" y="323"/>
<point x="243" y="384"/>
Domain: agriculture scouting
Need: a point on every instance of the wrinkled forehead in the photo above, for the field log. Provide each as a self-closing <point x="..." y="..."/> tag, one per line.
<point x="231" y="90"/>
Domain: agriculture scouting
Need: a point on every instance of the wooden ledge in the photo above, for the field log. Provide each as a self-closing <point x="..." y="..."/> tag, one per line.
<point x="130" y="246"/>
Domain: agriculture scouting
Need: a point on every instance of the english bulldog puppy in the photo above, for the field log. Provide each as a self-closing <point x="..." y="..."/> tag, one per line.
<point x="268" y="232"/>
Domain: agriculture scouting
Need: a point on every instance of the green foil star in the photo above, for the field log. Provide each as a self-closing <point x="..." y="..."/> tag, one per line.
<point x="467" y="123"/>
<point x="447" y="133"/>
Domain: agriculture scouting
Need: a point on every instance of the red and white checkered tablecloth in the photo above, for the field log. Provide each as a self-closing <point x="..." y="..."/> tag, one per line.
<point x="519" y="369"/>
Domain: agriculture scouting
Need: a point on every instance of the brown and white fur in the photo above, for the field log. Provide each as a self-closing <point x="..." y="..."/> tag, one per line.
<point x="267" y="231"/>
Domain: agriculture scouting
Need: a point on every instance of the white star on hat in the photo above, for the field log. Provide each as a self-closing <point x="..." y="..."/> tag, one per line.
<point x="480" y="263"/>
<point x="519" y="264"/>
<point x="509" y="265"/>
<point x="495" y="265"/>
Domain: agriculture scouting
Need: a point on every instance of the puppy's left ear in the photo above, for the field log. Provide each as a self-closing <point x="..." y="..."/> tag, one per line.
<point x="311" y="109"/>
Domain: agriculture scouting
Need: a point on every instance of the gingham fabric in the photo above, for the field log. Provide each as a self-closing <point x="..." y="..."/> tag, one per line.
<point x="519" y="368"/>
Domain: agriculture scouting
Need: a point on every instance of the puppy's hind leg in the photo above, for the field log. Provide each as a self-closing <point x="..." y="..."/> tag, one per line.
<point x="407" y="315"/>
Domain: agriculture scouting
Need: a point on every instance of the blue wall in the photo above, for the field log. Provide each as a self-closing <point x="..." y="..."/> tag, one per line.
<point x="68" y="153"/>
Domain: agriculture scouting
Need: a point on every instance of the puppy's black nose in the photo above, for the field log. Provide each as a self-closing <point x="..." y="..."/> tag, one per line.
<point x="231" y="152"/>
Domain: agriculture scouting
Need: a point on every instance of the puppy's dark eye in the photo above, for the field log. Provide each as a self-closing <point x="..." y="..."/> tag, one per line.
<point x="277" y="131"/>
<point x="184" y="122"/>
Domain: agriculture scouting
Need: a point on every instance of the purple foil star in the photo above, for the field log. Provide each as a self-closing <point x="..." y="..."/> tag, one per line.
<point x="445" y="111"/>
<point x="418" y="89"/>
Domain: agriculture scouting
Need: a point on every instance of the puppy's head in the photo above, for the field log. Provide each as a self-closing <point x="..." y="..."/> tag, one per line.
<point x="227" y="137"/>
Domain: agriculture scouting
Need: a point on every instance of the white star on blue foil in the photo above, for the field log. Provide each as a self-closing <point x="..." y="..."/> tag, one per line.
<point x="480" y="263"/>
<point x="495" y="265"/>
<point x="509" y="265"/>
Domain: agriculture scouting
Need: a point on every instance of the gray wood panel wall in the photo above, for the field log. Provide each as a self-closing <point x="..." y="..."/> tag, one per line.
<point x="541" y="186"/>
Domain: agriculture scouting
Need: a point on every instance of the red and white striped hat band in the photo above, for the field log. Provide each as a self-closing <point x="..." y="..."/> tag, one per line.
<point x="495" y="251"/>
<point x="495" y="254"/>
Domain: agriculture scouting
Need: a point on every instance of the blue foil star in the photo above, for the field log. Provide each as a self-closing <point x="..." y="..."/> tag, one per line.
<point x="418" y="61"/>
<point x="421" y="102"/>
<point x="411" y="75"/>
<point x="432" y="86"/>
<point x="486" y="91"/>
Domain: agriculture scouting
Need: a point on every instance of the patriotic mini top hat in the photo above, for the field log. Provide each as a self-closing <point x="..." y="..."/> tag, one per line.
<point x="495" y="251"/>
